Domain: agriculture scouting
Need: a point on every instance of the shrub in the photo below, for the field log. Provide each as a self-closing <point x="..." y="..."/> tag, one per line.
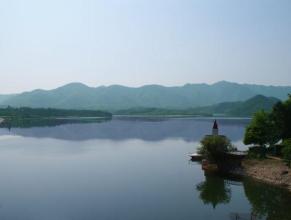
<point x="287" y="151"/>
<point x="257" y="152"/>
<point x="261" y="131"/>
<point x="213" y="146"/>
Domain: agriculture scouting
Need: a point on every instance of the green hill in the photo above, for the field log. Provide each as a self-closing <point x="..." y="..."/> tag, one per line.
<point x="242" y="108"/>
<point x="114" y="98"/>
<point x="238" y="109"/>
<point x="3" y="98"/>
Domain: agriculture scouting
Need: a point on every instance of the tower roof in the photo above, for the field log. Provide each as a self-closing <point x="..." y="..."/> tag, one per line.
<point x="215" y="126"/>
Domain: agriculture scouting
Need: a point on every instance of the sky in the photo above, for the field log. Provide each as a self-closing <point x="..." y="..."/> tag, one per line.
<point x="49" y="43"/>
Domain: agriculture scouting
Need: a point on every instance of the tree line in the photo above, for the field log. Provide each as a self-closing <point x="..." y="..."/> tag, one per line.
<point x="268" y="128"/>
<point x="26" y="112"/>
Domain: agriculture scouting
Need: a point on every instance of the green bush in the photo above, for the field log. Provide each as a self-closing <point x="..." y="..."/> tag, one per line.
<point x="287" y="151"/>
<point x="213" y="146"/>
<point x="261" y="131"/>
<point x="275" y="150"/>
<point x="257" y="152"/>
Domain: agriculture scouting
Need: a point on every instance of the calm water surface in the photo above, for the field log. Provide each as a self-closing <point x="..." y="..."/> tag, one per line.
<point x="124" y="169"/>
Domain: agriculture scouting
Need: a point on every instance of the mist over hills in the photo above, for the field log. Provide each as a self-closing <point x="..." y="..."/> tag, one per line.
<point x="4" y="98"/>
<point x="116" y="97"/>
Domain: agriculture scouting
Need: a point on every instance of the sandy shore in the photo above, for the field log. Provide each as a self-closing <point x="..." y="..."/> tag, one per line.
<point x="269" y="170"/>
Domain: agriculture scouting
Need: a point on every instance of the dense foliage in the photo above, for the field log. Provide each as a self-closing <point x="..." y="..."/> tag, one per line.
<point x="282" y="116"/>
<point x="25" y="112"/>
<point x="161" y="112"/>
<point x="287" y="151"/>
<point x="47" y="122"/>
<point x="213" y="146"/>
<point x="262" y="130"/>
<point x="266" y="129"/>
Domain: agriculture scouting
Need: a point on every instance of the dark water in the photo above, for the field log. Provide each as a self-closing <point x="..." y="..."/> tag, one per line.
<point x="124" y="169"/>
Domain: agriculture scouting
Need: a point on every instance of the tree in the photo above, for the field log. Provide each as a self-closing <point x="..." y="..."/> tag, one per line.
<point x="215" y="145"/>
<point x="262" y="130"/>
<point x="281" y="115"/>
<point x="287" y="151"/>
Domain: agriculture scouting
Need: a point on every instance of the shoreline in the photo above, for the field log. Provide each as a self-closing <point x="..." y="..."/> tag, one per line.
<point x="182" y="116"/>
<point x="270" y="171"/>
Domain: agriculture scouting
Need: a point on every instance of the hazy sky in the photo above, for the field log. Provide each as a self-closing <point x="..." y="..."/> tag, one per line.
<point x="47" y="43"/>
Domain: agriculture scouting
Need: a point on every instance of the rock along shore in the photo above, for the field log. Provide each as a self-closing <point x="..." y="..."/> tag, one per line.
<point x="268" y="170"/>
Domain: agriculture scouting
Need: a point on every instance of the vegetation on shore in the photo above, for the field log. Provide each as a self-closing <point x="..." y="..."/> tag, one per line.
<point x="39" y="117"/>
<point x="25" y="112"/>
<point x="264" y="132"/>
<point x="286" y="151"/>
<point x="267" y="129"/>
<point x="47" y="122"/>
<point x="214" y="146"/>
<point x="160" y="112"/>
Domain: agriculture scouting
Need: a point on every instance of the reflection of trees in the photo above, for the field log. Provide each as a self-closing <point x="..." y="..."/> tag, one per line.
<point x="214" y="190"/>
<point x="269" y="201"/>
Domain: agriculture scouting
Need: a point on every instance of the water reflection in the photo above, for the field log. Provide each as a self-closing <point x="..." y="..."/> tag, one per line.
<point x="122" y="169"/>
<point x="149" y="129"/>
<point x="214" y="190"/>
<point x="267" y="201"/>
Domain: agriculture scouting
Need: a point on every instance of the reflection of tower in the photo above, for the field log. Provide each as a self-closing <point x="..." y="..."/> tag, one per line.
<point x="215" y="128"/>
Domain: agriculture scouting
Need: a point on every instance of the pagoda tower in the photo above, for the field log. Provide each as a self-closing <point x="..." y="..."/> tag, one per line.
<point x="215" y="128"/>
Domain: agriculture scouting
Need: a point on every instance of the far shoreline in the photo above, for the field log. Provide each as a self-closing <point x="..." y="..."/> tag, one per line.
<point x="182" y="116"/>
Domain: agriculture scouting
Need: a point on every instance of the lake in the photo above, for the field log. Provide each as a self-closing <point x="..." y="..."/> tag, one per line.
<point x="127" y="169"/>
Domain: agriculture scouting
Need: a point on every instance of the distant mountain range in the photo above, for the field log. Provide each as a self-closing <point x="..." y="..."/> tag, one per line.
<point x="116" y="97"/>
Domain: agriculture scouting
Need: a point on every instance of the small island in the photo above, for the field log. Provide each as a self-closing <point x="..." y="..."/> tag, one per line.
<point x="268" y="158"/>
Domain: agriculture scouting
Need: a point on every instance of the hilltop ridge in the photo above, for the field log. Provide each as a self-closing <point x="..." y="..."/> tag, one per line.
<point x="116" y="97"/>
